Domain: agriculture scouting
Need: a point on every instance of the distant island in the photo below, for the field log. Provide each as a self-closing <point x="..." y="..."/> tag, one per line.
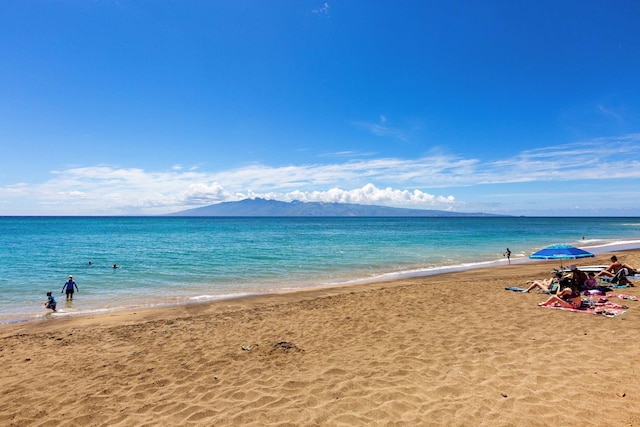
<point x="273" y="208"/>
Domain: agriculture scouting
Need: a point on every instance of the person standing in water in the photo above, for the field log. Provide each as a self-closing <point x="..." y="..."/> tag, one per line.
<point x="68" y="286"/>
<point x="507" y="253"/>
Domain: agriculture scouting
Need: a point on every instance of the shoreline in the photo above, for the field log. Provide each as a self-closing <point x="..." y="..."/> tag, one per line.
<point x="390" y="280"/>
<point x="449" y="349"/>
<point x="621" y="246"/>
<point x="173" y="263"/>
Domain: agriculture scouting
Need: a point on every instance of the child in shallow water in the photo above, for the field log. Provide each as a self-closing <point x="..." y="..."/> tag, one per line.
<point x="51" y="302"/>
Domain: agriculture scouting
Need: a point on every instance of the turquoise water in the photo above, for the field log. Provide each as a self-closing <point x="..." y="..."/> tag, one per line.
<point x="168" y="260"/>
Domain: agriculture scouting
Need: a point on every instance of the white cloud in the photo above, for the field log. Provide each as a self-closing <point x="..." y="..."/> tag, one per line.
<point x="385" y="181"/>
<point x="369" y="194"/>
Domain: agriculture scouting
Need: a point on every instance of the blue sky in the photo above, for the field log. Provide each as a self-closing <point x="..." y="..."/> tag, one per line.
<point x="150" y="107"/>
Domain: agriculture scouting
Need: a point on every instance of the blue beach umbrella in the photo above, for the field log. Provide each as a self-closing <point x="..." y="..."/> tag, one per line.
<point x="561" y="252"/>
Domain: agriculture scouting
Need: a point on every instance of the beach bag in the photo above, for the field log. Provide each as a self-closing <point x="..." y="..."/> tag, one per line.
<point x="621" y="278"/>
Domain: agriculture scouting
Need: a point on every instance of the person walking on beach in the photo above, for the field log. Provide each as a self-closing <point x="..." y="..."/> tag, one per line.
<point x="51" y="302"/>
<point x="68" y="286"/>
<point x="507" y="253"/>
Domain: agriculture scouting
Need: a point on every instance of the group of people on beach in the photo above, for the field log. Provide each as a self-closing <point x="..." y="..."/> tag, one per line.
<point x="69" y="287"/>
<point x="569" y="288"/>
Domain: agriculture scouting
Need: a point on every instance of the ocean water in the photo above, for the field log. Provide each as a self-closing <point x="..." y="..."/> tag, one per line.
<point x="170" y="260"/>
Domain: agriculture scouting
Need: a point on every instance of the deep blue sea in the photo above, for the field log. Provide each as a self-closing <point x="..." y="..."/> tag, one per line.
<point x="171" y="260"/>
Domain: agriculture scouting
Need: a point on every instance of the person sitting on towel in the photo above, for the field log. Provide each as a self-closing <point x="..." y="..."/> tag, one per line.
<point x="612" y="269"/>
<point x="591" y="282"/>
<point x="618" y="272"/>
<point x="578" y="277"/>
<point x="567" y="295"/>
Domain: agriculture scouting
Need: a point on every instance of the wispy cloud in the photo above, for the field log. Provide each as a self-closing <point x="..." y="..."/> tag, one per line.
<point x="610" y="113"/>
<point x="381" y="129"/>
<point x="387" y="181"/>
<point x="347" y="154"/>
<point x="322" y="10"/>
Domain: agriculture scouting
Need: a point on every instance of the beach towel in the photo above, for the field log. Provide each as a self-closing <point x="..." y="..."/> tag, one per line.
<point x="624" y="296"/>
<point x="517" y="289"/>
<point x="605" y="308"/>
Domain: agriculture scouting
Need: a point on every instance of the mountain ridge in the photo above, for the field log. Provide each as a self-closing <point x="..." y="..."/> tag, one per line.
<point x="273" y="208"/>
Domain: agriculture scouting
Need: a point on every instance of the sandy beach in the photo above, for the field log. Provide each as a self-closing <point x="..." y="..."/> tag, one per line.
<point x="455" y="349"/>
